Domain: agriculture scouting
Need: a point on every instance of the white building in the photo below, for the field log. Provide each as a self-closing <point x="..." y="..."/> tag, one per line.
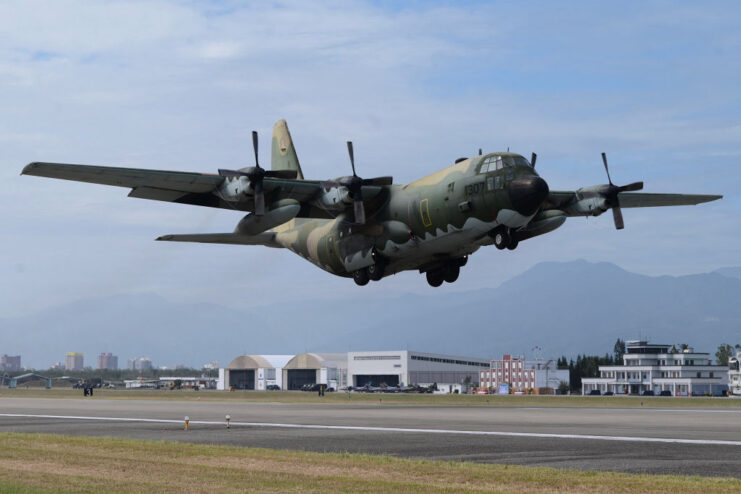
<point x="253" y="372"/>
<point x="734" y="375"/>
<point x="139" y="363"/>
<point x="316" y="368"/>
<point x="403" y="367"/>
<point x="652" y="368"/>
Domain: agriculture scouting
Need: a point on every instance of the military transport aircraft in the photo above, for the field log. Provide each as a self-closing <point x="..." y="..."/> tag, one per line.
<point x="368" y="228"/>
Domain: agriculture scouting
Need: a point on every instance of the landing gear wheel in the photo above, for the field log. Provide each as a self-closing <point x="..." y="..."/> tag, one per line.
<point x="512" y="245"/>
<point x="377" y="270"/>
<point x="361" y="277"/>
<point x="502" y="238"/>
<point x="435" y="278"/>
<point x="451" y="273"/>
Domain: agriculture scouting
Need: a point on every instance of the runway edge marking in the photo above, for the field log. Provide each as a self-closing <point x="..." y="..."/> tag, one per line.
<point x="389" y="429"/>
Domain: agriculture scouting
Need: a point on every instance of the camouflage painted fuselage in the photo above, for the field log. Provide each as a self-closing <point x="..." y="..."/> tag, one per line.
<point x="442" y="217"/>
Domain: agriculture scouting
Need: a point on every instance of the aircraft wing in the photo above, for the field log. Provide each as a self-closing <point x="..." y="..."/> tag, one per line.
<point x="171" y="186"/>
<point x="266" y="238"/>
<point x="647" y="200"/>
<point x="564" y="199"/>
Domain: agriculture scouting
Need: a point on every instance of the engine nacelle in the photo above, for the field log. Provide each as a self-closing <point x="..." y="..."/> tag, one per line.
<point x="334" y="198"/>
<point x="278" y="213"/>
<point x="235" y="189"/>
<point x="590" y="201"/>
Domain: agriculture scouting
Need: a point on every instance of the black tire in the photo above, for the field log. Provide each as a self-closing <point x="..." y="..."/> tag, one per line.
<point x="502" y="239"/>
<point x="512" y="245"/>
<point x="361" y="277"/>
<point x="451" y="273"/>
<point x="376" y="271"/>
<point x="435" y="278"/>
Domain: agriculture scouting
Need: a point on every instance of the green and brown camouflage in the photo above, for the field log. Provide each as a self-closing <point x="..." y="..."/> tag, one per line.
<point x="369" y="229"/>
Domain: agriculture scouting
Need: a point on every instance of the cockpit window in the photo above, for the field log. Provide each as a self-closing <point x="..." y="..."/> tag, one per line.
<point x="493" y="163"/>
<point x="520" y="161"/>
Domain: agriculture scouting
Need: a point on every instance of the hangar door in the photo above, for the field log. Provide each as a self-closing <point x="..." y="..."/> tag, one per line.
<point x="377" y="379"/>
<point x="299" y="377"/>
<point x="242" y="379"/>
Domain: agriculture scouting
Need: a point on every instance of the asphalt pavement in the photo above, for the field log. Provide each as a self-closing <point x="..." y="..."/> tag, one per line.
<point x="701" y="441"/>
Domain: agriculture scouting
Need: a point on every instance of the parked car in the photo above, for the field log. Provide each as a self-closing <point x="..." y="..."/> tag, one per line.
<point x="608" y="393"/>
<point x="595" y="392"/>
<point x="666" y="392"/>
<point x="648" y="392"/>
<point x="272" y="387"/>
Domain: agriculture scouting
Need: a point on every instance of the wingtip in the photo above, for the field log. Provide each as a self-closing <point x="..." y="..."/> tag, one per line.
<point x="27" y="169"/>
<point x="163" y="238"/>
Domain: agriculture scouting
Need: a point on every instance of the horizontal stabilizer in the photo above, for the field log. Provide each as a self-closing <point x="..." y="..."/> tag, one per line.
<point x="267" y="238"/>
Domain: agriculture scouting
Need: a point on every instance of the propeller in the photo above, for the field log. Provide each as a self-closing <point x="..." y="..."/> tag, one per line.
<point x="611" y="195"/>
<point x="354" y="185"/>
<point x="532" y="159"/>
<point x="256" y="174"/>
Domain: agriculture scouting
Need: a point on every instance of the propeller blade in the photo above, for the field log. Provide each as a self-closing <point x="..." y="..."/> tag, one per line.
<point x="254" y="145"/>
<point x="480" y="152"/>
<point x="631" y="187"/>
<point x="352" y="157"/>
<point x="617" y="215"/>
<point x="287" y="174"/>
<point x="259" y="199"/>
<point x="533" y="158"/>
<point x="604" y="160"/>
<point x="359" y="210"/>
<point x="378" y="181"/>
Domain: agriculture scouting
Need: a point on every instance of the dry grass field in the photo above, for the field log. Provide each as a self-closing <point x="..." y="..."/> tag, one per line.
<point x="380" y="398"/>
<point x="60" y="464"/>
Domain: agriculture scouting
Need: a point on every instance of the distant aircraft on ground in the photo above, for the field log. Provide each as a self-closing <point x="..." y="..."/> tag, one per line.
<point x="370" y="228"/>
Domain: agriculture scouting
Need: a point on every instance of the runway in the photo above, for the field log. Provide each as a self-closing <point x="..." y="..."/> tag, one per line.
<point x="702" y="441"/>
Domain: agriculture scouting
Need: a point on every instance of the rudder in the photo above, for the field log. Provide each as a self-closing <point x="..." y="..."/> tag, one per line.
<point x="283" y="154"/>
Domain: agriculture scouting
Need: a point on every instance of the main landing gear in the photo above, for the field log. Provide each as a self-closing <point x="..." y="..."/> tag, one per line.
<point x="447" y="272"/>
<point x="503" y="238"/>
<point x="374" y="272"/>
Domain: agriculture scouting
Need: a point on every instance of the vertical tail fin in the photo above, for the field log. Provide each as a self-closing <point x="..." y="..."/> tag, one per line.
<point x="283" y="154"/>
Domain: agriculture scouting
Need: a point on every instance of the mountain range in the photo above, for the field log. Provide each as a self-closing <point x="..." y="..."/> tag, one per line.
<point x="560" y="308"/>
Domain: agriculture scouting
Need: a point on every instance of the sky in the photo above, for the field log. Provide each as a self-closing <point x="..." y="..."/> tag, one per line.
<point x="415" y="85"/>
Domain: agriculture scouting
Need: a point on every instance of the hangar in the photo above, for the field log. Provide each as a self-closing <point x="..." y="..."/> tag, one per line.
<point x="253" y="372"/>
<point x="316" y="368"/>
<point x="404" y="367"/>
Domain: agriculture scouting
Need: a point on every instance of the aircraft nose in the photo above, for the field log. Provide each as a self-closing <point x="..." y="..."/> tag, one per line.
<point x="526" y="194"/>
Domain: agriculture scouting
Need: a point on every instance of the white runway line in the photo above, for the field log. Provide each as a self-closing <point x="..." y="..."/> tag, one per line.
<point x="388" y="429"/>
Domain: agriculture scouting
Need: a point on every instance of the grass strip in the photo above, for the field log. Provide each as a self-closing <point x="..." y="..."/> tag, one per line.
<point x="60" y="464"/>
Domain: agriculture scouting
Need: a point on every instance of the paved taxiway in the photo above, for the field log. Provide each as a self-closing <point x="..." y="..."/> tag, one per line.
<point x="701" y="441"/>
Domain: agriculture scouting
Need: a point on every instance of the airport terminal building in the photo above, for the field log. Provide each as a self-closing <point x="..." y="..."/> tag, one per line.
<point x="404" y="367"/>
<point x="652" y="368"/>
